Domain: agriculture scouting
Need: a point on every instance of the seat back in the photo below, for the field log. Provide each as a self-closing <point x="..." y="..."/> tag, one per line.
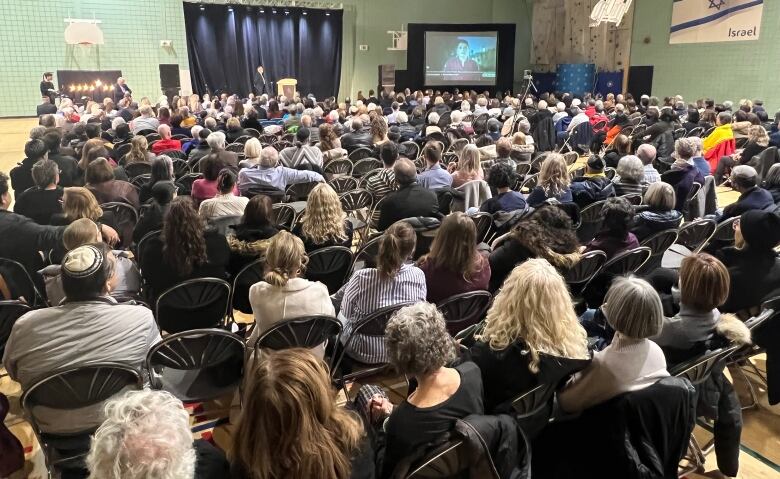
<point x="725" y="231"/>
<point x="338" y="167"/>
<point x="181" y="168"/>
<point x="209" y="361"/>
<point x="300" y="191"/>
<point x="658" y="244"/>
<point x="586" y="268"/>
<point x="125" y="219"/>
<point x="137" y="169"/>
<point x="483" y="222"/>
<point x="412" y="147"/>
<point x="20" y="282"/>
<point x="694" y="235"/>
<point x="365" y="165"/>
<point x="627" y="261"/>
<point x="529" y="183"/>
<point x="356" y="200"/>
<point x="285" y="216"/>
<point x="244" y="279"/>
<point x="764" y="161"/>
<point x="534" y="401"/>
<point x="141" y="180"/>
<point x="186" y="182"/>
<point x="144" y="242"/>
<point x="304" y="332"/>
<point x="193" y="304"/>
<point x="366" y="255"/>
<point x="282" y="144"/>
<point x="698" y="131"/>
<point x="372" y="325"/>
<point x="343" y="184"/>
<point x="360" y="153"/>
<point x="10" y="311"/>
<point x="174" y="154"/>
<point x="695" y="188"/>
<point x="329" y="266"/>
<point x="463" y="310"/>
<point x="699" y="369"/>
<point x="446" y="461"/>
<point x="121" y="151"/>
<point x="590" y="221"/>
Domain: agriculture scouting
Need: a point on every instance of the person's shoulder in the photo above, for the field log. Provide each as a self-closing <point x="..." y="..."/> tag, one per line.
<point x="469" y="371"/>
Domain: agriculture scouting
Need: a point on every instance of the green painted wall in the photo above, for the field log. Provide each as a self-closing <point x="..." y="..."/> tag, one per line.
<point x="723" y="71"/>
<point x="31" y="35"/>
<point x="366" y="22"/>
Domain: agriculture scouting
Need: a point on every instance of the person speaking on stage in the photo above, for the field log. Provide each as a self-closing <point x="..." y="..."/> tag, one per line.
<point x="120" y="90"/>
<point x="47" y="87"/>
<point x="261" y="83"/>
<point x="461" y="61"/>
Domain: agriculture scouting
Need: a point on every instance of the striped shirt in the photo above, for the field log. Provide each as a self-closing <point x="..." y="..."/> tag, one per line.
<point x="382" y="183"/>
<point x="365" y="293"/>
<point x="651" y="175"/>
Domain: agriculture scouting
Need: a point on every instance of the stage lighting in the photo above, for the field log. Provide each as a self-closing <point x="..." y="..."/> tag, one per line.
<point x="327" y="13"/>
<point x="273" y="11"/>
<point x="262" y="10"/>
<point x="305" y="12"/>
<point x="230" y="8"/>
<point x="202" y="7"/>
<point x="286" y="12"/>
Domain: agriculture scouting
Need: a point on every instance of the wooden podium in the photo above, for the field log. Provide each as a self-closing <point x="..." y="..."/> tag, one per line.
<point x="286" y="87"/>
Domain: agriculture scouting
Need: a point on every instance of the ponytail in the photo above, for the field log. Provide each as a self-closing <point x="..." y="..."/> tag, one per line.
<point x="285" y="258"/>
<point x="226" y="181"/>
<point x="395" y="247"/>
<point x="276" y="277"/>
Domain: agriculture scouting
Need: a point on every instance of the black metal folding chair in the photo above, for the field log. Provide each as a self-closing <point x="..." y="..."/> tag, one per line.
<point x="343" y="184"/>
<point x="658" y="244"/>
<point x="463" y="310"/>
<point x="285" y="216"/>
<point x="300" y="191"/>
<point x="590" y="221"/>
<point x="198" y="365"/>
<point x="330" y="266"/>
<point x="364" y="166"/>
<point x="360" y="153"/>
<point x="21" y="283"/>
<point x="68" y="390"/>
<point x="484" y="223"/>
<point x="449" y="460"/>
<point x="137" y="169"/>
<point x="244" y="279"/>
<point x="304" y="332"/>
<point x="193" y="304"/>
<point x="10" y="311"/>
<point x="586" y="268"/>
<point x="695" y="234"/>
<point x="222" y="224"/>
<point x="125" y="218"/>
<point x="338" y="168"/>
<point x="144" y="242"/>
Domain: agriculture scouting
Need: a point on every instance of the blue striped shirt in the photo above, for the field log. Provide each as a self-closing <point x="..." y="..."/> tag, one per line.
<point x="365" y="293"/>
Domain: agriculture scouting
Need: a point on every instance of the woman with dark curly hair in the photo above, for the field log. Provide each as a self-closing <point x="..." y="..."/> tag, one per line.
<point x="615" y="236"/>
<point x="329" y="143"/>
<point x="546" y="234"/>
<point x="185" y="250"/>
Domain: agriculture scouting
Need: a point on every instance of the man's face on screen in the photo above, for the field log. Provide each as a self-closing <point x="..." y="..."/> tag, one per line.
<point x="462" y="52"/>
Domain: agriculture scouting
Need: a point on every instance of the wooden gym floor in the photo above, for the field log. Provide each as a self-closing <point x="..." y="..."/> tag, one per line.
<point x="760" y="448"/>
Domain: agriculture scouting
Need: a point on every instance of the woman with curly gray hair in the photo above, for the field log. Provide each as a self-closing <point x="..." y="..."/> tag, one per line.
<point x="630" y="174"/>
<point x="419" y="346"/>
<point x="147" y="434"/>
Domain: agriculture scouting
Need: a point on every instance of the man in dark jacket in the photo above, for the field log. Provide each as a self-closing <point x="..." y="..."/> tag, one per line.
<point x="21" y="174"/>
<point x="357" y="137"/>
<point x="744" y="179"/>
<point x="69" y="172"/>
<point x="593" y="185"/>
<point x="410" y="200"/>
<point x="542" y="128"/>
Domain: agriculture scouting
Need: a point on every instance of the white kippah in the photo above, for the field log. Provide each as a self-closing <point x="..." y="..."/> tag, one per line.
<point x="82" y="261"/>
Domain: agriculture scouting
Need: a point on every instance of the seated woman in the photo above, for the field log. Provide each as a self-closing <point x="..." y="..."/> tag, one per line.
<point x="758" y="141"/>
<point x="249" y="238"/>
<point x="79" y="202"/>
<point x="772" y="182"/>
<point x="614" y="236"/>
<point x="207" y="187"/>
<point x="162" y="170"/>
<point x="553" y="182"/>
<point x="619" y="148"/>
<point x="283" y="294"/>
<point x="454" y="265"/>
<point x="150" y="217"/>
<point x="629" y="176"/>
<point x="704" y="286"/>
<point x="531" y="335"/>
<point x="468" y="167"/>
<point x="281" y="389"/>
<point x="547" y="233"/>
<point x="392" y="282"/>
<point x="419" y="346"/>
<point x="185" y="250"/>
<point x="126" y="283"/>
<point x="226" y="203"/>
<point x="252" y="149"/>
<point x="233" y="130"/>
<point x="753" y="263"/>
<point x="501" y="179"/>
<point x="324" y="222"/>
<point x="683" y="172"/>
<point x="139" y="152"/>
<point x="102" y="183"/>
<point x="631" y="362"/>
<point x="329" y="144"/>
<point x="660" y="215"/>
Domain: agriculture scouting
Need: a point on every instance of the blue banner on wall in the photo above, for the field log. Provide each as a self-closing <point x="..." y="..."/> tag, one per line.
<point x="577" y="78"/>
<point x="609" y="82"/>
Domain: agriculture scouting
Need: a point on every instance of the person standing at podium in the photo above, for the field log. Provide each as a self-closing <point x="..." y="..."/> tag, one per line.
<point x="261" y="83"/>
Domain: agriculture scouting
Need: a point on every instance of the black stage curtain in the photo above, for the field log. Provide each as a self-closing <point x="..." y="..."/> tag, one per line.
<point x="226" y="47"/>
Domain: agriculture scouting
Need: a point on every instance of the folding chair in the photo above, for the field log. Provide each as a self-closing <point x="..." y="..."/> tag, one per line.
<point x="329" y="266"/>
<point x="21" y="283"/>
<point x="590" y="221"/>
<point x="338" y="168"/>
<point x="343" y="184"/>
<point x="304" y="332"/>
<point x="126" y="217"/>
<point x="248" y="275"/>
<point x="365" y="165"/>
<point x="192" y="304"/>
<point x="463" y="310"/>
<point x="10" y="311"/>
<point x="360" y="153"/>
<point x="695" y="234"/>
<point x="285" y="216"/>
<point x="658" y="244"/>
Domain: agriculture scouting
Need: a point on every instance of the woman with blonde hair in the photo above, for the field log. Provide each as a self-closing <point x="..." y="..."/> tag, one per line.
<point x="139" y="151"/>
<point x="454" y="265"/>
<point x="468" y="168"/>
<point x="660" y="214"/>
<point x="553" y="182"/>
<point x="378" y="130"/>
<point x="393" y="281"/>
<point x="531" y="334"/>
<point x="284" y="293"/>
<point x="324" y="222"/>
<point x="252" y="149"/>
<point x="290" y="424"/>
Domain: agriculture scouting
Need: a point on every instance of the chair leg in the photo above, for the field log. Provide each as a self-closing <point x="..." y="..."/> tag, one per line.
<point x="751" y="390"/>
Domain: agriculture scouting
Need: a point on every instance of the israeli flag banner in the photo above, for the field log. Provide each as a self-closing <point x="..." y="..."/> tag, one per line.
<point x="706" y="21"/>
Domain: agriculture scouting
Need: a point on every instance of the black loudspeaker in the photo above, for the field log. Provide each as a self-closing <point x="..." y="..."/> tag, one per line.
<point x="386" y="77"/>
<point x="169" y="76"/>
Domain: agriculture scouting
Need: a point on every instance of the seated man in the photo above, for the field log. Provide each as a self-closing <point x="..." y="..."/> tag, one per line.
<point x="744" y="179"/>
<point x="45" y="198"/>
<point x="410" y="200"/>
<point x="268" y="173"/>
<point x="357" y="137"/>
<point x="434" y="176"/>
<point x="165" y="143"/>
<point x="381" y="184"/>
<point x="502" y="178"/>
<point x="593" y="186"/>
<point x="647" y="152"/>
<point x="90" y="328"/>
<point x="21" y="174"/>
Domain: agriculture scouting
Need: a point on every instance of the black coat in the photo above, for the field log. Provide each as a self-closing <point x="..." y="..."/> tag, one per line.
<point x="409" y="201"/>
<point x="589" y="189"/>
<point x="543" y="131"/>
<point x="355" y="139"/>
<point x="21" y="176"/>
<point x="754" y="276"/>
<point x="682" y="181"/>
<point x="648" y="223"/>
<point x="644" y="434"/>
<point x="22" y="239"/>
<point x="755" y="199"/>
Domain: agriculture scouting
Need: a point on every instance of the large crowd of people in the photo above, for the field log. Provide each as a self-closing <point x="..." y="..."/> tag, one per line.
<point x="115" y="203"/>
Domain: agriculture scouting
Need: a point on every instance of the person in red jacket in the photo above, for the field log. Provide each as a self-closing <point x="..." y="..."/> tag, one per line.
<point x="165" y="143"/>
